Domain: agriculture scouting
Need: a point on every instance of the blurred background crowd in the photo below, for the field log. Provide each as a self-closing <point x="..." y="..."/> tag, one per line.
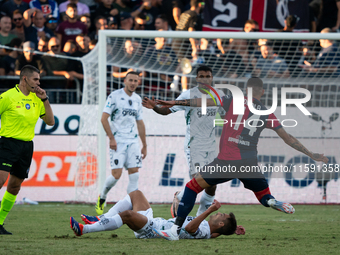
<point x="70" y="29"/>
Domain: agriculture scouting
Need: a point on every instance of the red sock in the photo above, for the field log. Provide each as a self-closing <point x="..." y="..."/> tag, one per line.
<point x="194" y="186"/>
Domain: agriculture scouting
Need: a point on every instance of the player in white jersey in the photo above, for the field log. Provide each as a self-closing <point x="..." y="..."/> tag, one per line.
<point x="122" y="121"/>
<point x="200" y="145"/>
<point x="135" y="211"/>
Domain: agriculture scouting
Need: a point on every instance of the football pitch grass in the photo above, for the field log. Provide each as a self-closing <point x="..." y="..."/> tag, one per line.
<point x="45" y="229"/>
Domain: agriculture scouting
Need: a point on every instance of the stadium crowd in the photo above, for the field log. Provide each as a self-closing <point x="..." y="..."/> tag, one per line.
<point x="71" y="29"/>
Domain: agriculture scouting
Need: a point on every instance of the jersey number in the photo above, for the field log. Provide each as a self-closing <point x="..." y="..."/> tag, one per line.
<point x="252" y="120"/>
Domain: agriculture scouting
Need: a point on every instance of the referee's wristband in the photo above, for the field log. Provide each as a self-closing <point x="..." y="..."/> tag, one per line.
<point x="45" y="99"/>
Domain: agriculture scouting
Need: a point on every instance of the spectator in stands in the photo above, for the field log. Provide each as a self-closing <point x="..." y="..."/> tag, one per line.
<point x="57" y="66"/>
<point x="6" y="26"/>
<point x="106" y="9"/>
<point x="37" y="30"/>
<point x="132" y="55"/>
<point x="126" y="21"/>
<point x="87" y="21"/>
<point x="83" y="9"/>
<point x="10" y="6"/>
<point x="178" y="7"/>
<point x="140" y="22"/>
<point x="329" y="15"/>
<point x="51" y="23"/>
<point x="46" y="6"/>
<point x="18" y="22"/>
<point x="289" y="50"/>
<point x="70" y="48"/>
<point x="92" y="44"/>
<point x="122" y="6"/>
<point x="269" y="65"/>
<point x="112" y="23"/>
<point x="7" y="63"/>
<point x="101" y="24"/>
<point x="290" y="23"/>
<point x="327" y="62"/>
<point x="161" y="58"/>
<point x="243" y="47"/>
<point x="187" y="22"/>
<point x="29" y="58"/>
<point x="43" y="44"/>
<point x="69" y="29"/>
<point x="83" y="42"/>
<point x="161" y="22"/>
<point x="149" y="10"/>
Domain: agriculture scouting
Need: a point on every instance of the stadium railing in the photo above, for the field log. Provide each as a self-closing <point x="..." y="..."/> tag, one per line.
<point x="72" y="95"/>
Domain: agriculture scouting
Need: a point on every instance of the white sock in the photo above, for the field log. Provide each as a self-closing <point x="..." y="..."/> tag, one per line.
<point x="109" y="183"/>
<point x="180" y="195"/>
<point x="120" y="206"/>
<point x="104" y="224"/>
<point x="205" y="202"/>
<point x="133" y="182"/>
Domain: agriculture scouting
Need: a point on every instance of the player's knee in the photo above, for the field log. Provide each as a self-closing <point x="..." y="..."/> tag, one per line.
<point x="117" y="175"/>
<point x="126" y="215"/>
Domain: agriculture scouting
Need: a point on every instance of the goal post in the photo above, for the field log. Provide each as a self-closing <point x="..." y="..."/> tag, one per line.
<point x="110" y="54"/>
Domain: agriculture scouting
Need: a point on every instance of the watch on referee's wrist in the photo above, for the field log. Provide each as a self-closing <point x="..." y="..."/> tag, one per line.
<point x="45" y="99"/>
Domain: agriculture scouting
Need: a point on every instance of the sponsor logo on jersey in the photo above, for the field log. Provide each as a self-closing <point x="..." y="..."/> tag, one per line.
<point x="122" y="98"/>
<point x="6" y="164"/>
<point x="130" y="112"/>
<point x="18" y="106"/>
<point x="28" y="106"/>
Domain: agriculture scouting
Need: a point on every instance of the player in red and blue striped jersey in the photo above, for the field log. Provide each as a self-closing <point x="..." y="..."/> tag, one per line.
<point x="238" y="150"/>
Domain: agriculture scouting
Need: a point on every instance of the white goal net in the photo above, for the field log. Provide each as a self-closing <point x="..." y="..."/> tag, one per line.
<point x="166" y="67"/>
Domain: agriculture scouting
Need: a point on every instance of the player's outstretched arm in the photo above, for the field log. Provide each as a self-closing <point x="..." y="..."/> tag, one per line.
<point x="295" y="143"/>
<point x="151" y="104"/>
<point x="195" y="102"/>
<point x="141" y="132"/>
<point x="194" y="224"/>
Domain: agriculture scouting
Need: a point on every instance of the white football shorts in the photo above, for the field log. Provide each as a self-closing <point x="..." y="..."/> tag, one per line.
<point x="157" y="223"/>
<point x="197" y="159"/>
<point x="127" y="155"/>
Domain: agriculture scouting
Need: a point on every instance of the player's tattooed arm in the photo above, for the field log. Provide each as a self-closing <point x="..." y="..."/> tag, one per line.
<point x="297" y="145"/>
<point x="195" y="102"/>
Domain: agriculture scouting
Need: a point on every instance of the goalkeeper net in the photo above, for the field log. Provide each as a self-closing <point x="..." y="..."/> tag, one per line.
<point x="167" y="66"/>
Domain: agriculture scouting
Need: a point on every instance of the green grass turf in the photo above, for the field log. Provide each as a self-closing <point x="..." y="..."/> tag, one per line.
<point x="45" y="229"/>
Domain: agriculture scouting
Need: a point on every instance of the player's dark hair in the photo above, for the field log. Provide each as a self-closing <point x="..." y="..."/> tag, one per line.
<point x="229" y="227"/>
<point x="132" y="72"/>
<point x="257" y="85"/>
<point x="28" y="70"/>
<point x="203" y="68"/>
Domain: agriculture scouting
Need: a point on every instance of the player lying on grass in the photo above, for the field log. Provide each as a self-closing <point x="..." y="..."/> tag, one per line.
<point x="135" y="211"/>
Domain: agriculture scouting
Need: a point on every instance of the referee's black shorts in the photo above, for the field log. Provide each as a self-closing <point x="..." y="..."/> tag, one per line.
<point x="15" y="156"/>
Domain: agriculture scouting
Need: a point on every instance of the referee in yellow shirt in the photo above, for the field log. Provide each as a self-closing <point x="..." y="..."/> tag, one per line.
<point x="20" y="108"/>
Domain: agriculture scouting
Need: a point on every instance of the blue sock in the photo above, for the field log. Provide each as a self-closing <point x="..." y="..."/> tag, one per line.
<point x="185" y="206"/>
<point x="264" y="199"/>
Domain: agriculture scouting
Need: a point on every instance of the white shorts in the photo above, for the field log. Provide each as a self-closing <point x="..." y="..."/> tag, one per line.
<point x="157" y="223"/>
<point x="199" y="159"/>
<point x="127" y="155"/>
